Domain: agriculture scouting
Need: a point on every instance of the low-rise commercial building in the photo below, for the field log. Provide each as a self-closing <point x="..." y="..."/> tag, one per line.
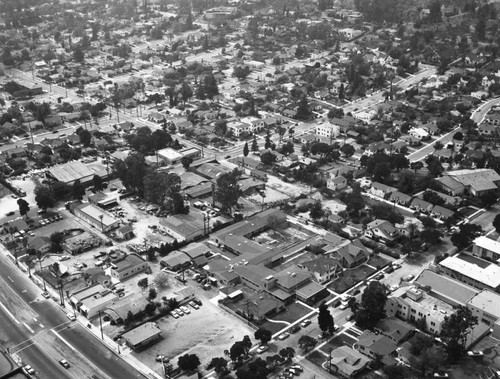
<point x="143" y="336"/>
<point x="96" y="217"/>
<point x="129" y="266"/>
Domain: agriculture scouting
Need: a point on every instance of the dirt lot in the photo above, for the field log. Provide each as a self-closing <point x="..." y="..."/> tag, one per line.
<point x="206" y="332"/>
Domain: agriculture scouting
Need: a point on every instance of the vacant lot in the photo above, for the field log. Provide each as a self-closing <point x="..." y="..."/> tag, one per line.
<point x="350" y="277"/>
<point x="206" y="332"/>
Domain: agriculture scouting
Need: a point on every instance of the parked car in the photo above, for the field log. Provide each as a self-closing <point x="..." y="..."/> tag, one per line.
<point x="30" y="370"/>
<point x="407" y="278"/>
<point x="71" y="317"/>
<point x="11" y="213"/>
<point x="305" y="323"/>
<point x="185" y="310"/>
<point x="349" y="317"/>
<point x="262" y="349"/>
<point x="475" y="353"/>
<point x="284" y="336"/>
<point x="46" y="295"/>
<point x="294" y="329"/>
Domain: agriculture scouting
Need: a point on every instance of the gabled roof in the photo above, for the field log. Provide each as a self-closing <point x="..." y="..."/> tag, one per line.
<point x="378" y="344"/>
<point x="352" y="252"/>
<point x="321" y="265"/>
<point x="292" y="276"/>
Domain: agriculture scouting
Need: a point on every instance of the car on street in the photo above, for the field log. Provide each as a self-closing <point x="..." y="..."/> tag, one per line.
<point x="475" y="353"/>
<point x="11" y="213"/>
<point x="441" y="374"/>
<point x="160" y="358"/>
<point x="294" y="329"/>
<point x="396" y="265"/>
<point x="30" y="370"/>
<point x="344" y="306"/>
<point x="379" y="276"/>
<point x="71" y="317"/>
<point x="262" y="349"/>
<point x="46" y="295"/>
<point x="198" y="302"/>
<point x="64" y="363"/>
<point x="284" y="336"/>
<point x="305" y="323"/>
<point x="407" y="278"/>
<point x="193" y="305"/>
<point x="349" y="317"/>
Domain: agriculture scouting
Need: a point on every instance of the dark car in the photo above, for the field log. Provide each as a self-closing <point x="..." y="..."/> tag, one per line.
<point x="11" y="213"/>
<point x="295" y="329"/>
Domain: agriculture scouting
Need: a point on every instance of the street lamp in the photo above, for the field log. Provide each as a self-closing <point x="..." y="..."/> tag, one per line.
<point x="101" y="216"/>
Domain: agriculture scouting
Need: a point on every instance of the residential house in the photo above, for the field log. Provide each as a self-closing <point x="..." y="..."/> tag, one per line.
<point x="337" y="183"/>
<point x="381" y="190"/>
<point x="40" y="243"/>
<point x="346" y="362"/>
<point x="375" y="346"/>
<point x="394" y="329"/>
<point x="381" y="230"/>
<point x="419" y="133"/>
<point x="129" y="266"/>
<point x="441" y="212"/>
<point x="421" y="205"/>
<point x="327" y="130"/>
<point x="322" y="268"/>
<point x="400" y="198"/>
<point x="352" y="254"/>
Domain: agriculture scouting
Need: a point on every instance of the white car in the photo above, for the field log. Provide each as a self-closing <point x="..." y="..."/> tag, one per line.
<point x="344" y="306"/>
<point x="305" y="323"/>
<point x="30" y="370"/>
<point x="185" y="310"/>
<point x="262" y="349"/>
<point x="71" y="317"/>
<point x="284" y="336"/>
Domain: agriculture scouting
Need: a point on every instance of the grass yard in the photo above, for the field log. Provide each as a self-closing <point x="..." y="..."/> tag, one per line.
<point x="317" y="358"/>
<point x="377" y="261"/>
<point x="293" y="312"/>
<point x="338" y="341"/>
<point x="350" y="277"/>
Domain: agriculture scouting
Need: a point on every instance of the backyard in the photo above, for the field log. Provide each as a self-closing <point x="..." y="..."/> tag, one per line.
<point x="282" y="320"/>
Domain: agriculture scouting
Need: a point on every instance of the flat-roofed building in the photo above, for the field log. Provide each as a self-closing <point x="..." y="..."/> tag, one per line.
<point x="96" y="217"/>
<point x="143" y="336"/>
<point x="485" y="306"/>
<point x="72" y="171"/>
<point x="473" y="271"/>
<point x="91" y="306"/>
<point x="131" y="265"/>
<point x="488" y="248"/>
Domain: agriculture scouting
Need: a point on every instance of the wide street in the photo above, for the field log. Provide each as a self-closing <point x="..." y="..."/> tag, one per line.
<point x="37" y="331"/>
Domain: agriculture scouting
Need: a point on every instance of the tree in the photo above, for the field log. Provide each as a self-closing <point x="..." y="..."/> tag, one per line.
<point x="434" y="166"/>
<point x="97" y="182"/>
<point x="268" y="158"/>
<point x="431" y="236"/>
<point x="220" y="128"/>
<point x="399" y="161"/>
<point x="467" y="233"/>
<point x="316" y="211"/>
<point x="186" y="92"/>
<point x="24" y="207"/>
<point x="228" y="190"/>
<point x="210" y="86"/>
<point x="288" y="148"/>
<point x="420" y="342"/>
<point x="263" y="335"/>
<point x="143" y="283"/>
<point x="304" y="111"/>
<point x="152" y="294"/>
<point x="150" y="308"/>
<point x="44" y="197"/>
<point x="371" y="309"/>
<point x="268" y="143"/>
<point x="161" y="280"/>
<point x="77" y="190"/>
<point x="306" y="342"/>
<point x="455" y="329"/>
<point x="325" y="319"/>
<point x="416" y="166"/>
<point x="78" y="55"/>
<point x="496" y="223"/>
<point x="56" y="240"/>
<point x="219" y="365"/>
<point x="85" y="137"/>
<point x="255" y="145"/>
<point x="186" y="162"/>
<point x="287" y="353"/>
<point x="348" y="150"/>
<point x="237" y="350"/>
<point x="188" y="362"/>
<point x="132" y="171"/>
<point x="245" y="149"/>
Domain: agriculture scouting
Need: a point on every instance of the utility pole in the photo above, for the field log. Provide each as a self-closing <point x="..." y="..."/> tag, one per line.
<point x="61" y="291"/>
<point x="100" y="323"/>
<point x="41" y="274"/>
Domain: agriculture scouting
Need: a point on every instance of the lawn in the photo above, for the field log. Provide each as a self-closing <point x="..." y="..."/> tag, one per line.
<point x="378" y="262"/>
<point x="350" y="277"/>
<point x="317" y="358"/>
<point x="293" y="312"/>
<point x="340" y="340"/>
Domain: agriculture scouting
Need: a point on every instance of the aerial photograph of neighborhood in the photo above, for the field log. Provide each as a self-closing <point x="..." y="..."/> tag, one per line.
<point x="249" y="189"/>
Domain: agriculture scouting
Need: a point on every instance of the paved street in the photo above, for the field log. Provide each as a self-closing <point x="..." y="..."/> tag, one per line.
<point x="41" y="334"/>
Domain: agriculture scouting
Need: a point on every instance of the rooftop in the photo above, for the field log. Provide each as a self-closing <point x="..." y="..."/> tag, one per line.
<point x="96" y="213"/>
<point x="474" y="268"/>
<point x="129" y="261"/>
<point x="487" y="301"/>
<point x="141" y="333"/>
<point x="71" y="171"/>
<point x="450" y="290"/>
<point x="487" y="244"/>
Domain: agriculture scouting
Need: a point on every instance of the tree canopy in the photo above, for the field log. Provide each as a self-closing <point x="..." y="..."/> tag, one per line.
<point x="228" y="190"/>
<point x="371" y="309"/>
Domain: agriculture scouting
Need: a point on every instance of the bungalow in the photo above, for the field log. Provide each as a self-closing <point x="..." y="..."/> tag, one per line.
<point x="346" y="362"/>
<point x="381" y="229"/>
<point x="419" y="133"/>
<point x="400" y="198"/>
<point x="421" y="205"/>
<point x="375" y="346"/>
<point x="441" y="212"/>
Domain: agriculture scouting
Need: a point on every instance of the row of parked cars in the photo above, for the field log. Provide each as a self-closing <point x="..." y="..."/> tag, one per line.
<point x="290" y="372"/>
<point x="183" y="310"/>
